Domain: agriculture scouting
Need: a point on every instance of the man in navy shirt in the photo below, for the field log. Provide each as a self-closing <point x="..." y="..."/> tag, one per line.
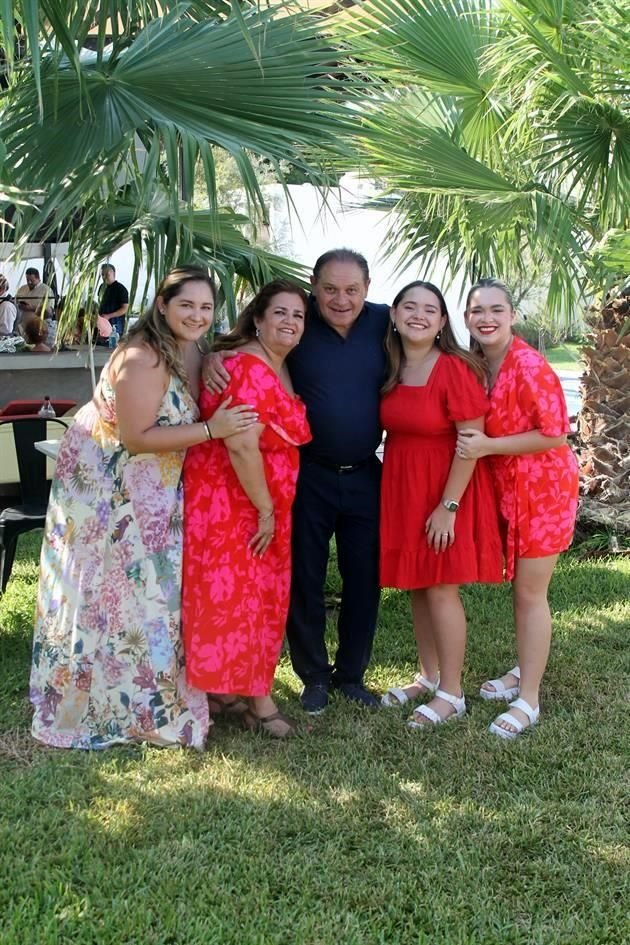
<point x="337" y="370"/>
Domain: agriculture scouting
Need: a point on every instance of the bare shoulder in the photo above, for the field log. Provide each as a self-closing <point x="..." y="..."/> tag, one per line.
<point x="137" y="362"/>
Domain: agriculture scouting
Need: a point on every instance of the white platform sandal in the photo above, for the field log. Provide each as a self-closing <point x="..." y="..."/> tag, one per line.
<point x="458" y="703"/>
<point x="501" y="691"/>
<point x="518" y="726"/>
<point x="396" y="697"/>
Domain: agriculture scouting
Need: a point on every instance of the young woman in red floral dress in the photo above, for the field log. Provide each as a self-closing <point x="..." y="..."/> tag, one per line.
<point x="536" y="478"/>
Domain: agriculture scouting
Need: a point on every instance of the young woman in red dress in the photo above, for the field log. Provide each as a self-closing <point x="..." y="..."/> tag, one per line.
<point x="238" y="494"/>
<point x="536" y="477"/>
<point x="439" y="525"/>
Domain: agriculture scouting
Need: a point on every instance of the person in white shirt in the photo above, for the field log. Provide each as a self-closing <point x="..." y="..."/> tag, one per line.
<point x="34" y="298"/>
<point x="8" y="310"/>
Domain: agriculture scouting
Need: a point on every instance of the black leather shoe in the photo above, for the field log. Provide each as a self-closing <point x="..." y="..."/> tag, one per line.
<point x="354" y="692"/>
<point x="314" y="698"/>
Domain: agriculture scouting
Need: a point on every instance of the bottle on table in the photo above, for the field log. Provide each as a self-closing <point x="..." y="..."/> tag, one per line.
<point x="46" y="409"/>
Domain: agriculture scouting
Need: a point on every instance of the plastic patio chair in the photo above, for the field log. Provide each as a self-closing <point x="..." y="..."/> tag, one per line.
<point x="34" y="487"/>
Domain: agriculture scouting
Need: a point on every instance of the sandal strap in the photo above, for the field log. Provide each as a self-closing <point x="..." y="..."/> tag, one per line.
<point x="516" y="724"/>
<point x="499" y="686"/>
<point x="421" y="680"/>
<point x="428" y="713"/>
<point x="455" y="701"/>
<point x="274" y="717"/>
<point x="532" y="714"/>
<point x="399" y="695"/>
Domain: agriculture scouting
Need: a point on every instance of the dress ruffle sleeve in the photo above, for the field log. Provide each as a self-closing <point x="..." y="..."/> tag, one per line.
<point x="466" y="398"/>
<point x="539" y="391"/>
<point x="254" y="382"/>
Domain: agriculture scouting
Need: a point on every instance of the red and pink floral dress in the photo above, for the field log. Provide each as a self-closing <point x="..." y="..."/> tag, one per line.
<point x="234" y="605"/>
<point x="537" y="492"/>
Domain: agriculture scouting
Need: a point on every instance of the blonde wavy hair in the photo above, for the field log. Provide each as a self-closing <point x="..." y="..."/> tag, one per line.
<point x="446" y="341"/>
<point x="152" y="327"/>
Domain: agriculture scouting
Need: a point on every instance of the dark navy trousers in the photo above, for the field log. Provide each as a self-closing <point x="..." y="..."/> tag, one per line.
<point x="346" y="505"/>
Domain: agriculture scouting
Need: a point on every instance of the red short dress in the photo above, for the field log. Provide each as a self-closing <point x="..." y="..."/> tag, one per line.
<point x="537" y="492"/>
<point x="419" y="450"/>
<point x="234" y="605"/>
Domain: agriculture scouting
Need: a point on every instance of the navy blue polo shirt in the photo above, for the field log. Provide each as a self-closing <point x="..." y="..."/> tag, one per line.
<point x="339" y="379"/>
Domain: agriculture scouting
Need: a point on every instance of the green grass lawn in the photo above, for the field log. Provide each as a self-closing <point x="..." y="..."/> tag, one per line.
<point x="565" y="357"/>
<point x="357" y="832"/>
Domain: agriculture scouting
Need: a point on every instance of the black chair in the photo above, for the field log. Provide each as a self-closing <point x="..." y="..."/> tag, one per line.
<point x="34" y="488"/>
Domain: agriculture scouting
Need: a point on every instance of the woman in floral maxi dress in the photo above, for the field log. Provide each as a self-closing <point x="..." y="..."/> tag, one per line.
<point x="108" y="662"/>
<point x="536" y="478"/>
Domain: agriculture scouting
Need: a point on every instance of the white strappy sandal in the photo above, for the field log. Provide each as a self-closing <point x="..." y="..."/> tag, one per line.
<point x="501" y="691"/>
<point x="396" y="697"/>
<point x="458" y="703"/>
<point x="518" y="726"/>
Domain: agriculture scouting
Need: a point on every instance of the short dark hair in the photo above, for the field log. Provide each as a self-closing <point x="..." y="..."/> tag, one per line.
<point x="108" y="266"/>
<point x="31" y="271"/>
<point x="342" y="255"/>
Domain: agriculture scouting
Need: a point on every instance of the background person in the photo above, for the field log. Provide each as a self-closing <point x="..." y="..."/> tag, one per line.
<point x="113" y="300"/>
<point x="338" y="371"/>
<point x="36" y="334"/>
<point x="439" y="525"/>
<point x="8" y="309"/>
<point x="34" y="298"/>
<point x="536" y="477"/>
<point x="108" y="662"/>
<point x="237" y="526"/>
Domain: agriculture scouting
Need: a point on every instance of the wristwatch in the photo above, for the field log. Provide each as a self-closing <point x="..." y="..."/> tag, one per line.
<point x="450" y="505"/>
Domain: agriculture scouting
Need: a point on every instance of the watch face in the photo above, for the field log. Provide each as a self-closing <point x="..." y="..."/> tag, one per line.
<point x="452" y="506"/>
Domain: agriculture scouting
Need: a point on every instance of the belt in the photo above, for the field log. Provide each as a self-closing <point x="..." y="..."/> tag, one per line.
<point x="341" y="470"/>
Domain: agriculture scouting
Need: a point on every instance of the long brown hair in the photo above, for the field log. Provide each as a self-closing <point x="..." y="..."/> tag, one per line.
<point x="152" y="327"/>
<point x="445" y="342"/>
<point x="244" y="330"/>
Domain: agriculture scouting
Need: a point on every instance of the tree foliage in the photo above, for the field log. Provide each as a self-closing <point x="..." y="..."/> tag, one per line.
<point x="107" y="108"/>
<point x="501" y="129"/>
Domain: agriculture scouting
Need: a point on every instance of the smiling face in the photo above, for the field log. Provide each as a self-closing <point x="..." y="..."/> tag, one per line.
<point x="282" y="324"/>
<point x="489" y="317"/>
<point x="340" y="290"/>
<point x="189" y="313"/>
<point x="418" y="316"/>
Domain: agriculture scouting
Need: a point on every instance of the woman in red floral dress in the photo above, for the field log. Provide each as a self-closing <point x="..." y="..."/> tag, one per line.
<point x="536" y="478"/>
<point x="238" y="494"/>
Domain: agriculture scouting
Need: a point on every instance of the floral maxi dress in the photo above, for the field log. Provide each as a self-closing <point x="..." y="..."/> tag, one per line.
<point x="108" y="664"/>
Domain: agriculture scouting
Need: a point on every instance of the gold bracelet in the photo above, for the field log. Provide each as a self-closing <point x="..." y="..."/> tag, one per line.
<point x="206" y="427"/>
